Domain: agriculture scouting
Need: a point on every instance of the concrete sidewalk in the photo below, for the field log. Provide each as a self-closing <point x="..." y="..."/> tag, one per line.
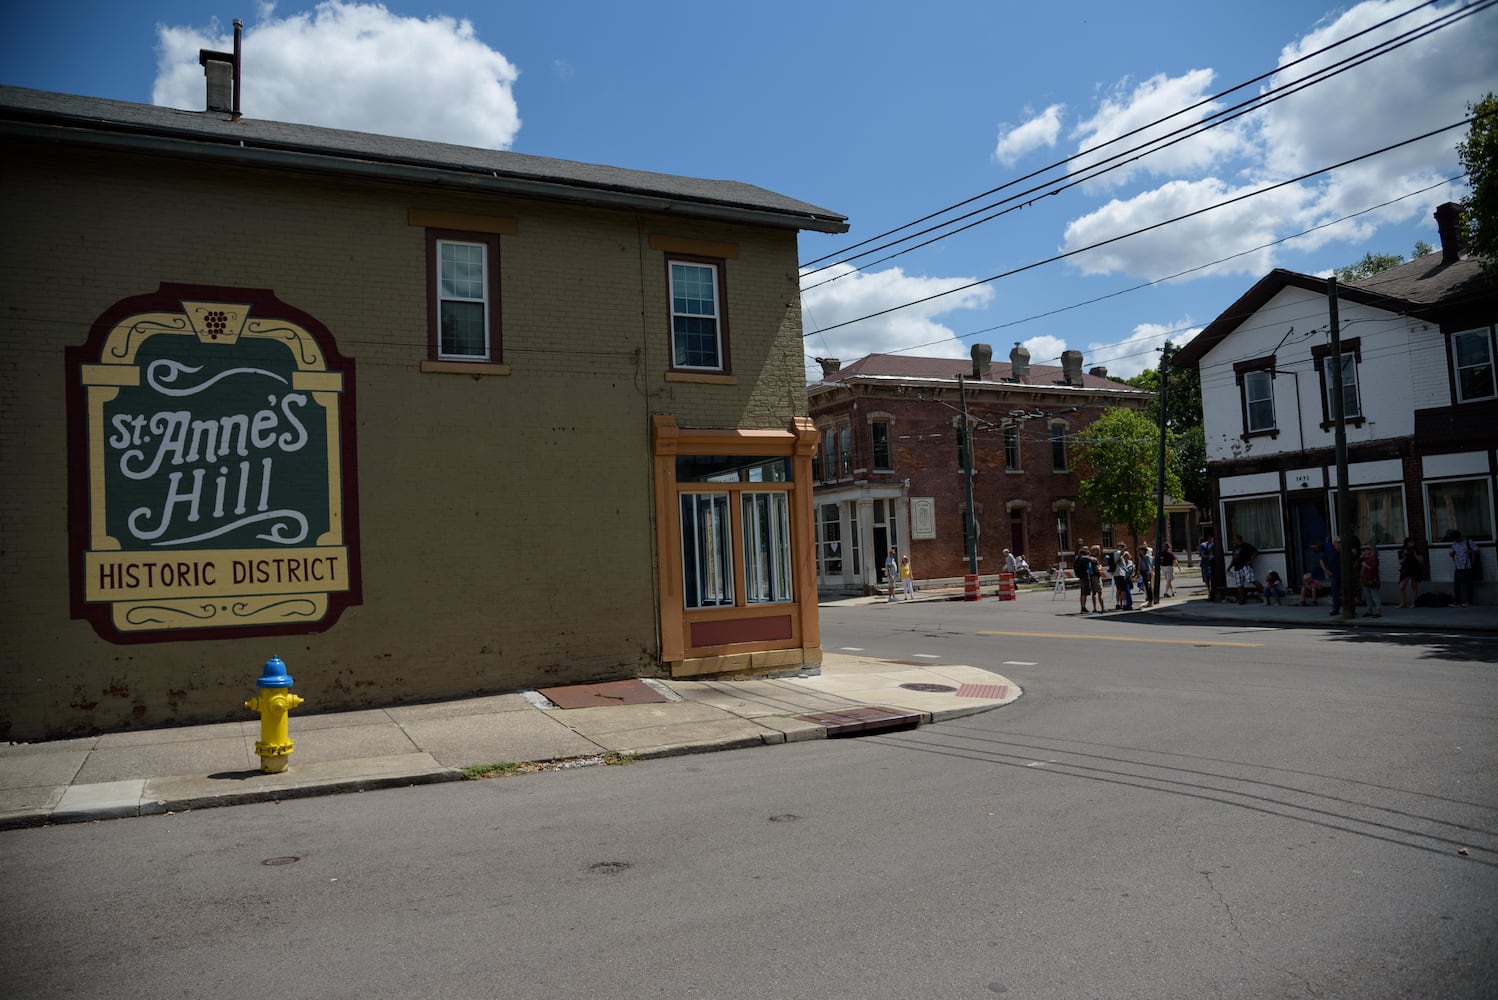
<point x="195" y="767"/>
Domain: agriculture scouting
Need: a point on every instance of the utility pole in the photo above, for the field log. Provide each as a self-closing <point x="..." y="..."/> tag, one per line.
<point x="1339" y="418"/>
<point x="1160" y="477"/>
<point x="965" y="453"/>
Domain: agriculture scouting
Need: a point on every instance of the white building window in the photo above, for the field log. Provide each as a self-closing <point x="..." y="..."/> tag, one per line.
<point x="1472" y="356"/>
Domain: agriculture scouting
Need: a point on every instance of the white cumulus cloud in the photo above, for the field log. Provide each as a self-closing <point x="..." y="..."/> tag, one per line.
<point x="1390" y="98"/>
<point x="354" y="66"/>
<point x="1134" y="109"/>
<point x="916" y="330"/>
<point x="1040" y="131"/>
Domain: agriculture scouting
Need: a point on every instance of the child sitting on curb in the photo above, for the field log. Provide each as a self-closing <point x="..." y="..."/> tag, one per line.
<point x="1310" y="590"/>
<point x="1274" y="588"/>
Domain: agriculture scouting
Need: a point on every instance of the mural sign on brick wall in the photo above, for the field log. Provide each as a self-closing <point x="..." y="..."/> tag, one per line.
<point x="212" y="475"/>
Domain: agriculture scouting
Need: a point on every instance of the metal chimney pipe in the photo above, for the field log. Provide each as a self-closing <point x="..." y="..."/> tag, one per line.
<point x="238" y="32"/>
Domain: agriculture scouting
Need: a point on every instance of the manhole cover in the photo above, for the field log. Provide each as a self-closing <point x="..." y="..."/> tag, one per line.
<point x="608" y="868"/>
<point x="933" y="688"/>
<point x="273" y="862"/>
<point x="784" y="818"/>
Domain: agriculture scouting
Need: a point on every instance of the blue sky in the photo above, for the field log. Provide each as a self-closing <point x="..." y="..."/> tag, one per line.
<point x="886" y="112"/>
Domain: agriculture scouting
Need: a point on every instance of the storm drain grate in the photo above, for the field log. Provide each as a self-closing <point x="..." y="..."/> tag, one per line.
<point x="933" y="688"/>
<point x="862" y="721"/>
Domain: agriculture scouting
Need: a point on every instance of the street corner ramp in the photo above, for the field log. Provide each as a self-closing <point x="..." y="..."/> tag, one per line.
<point x="628" y="692"/>
<point x="863" y="721"/>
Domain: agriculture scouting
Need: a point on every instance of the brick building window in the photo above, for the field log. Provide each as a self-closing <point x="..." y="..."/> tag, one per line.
<point x="699" y="326"/>
<point x="879" y="431"/>
<point x="463" y="296"/>
<point x="1058" y="448"/>
<point x="1011" y="449"/>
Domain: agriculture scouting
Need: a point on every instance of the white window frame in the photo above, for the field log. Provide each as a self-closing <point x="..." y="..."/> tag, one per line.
<point x="1267" y="380"/>
<point x="715" y="273"/>
<point x="1349" y="382"/>
<point x="767" y="546"/>
<point x="1486" y="337"/>
<point x="1231" y="527"/>
<point x="446" y="294"/>
<point x="706" y="550"/>
<point x="1439" y="525"/>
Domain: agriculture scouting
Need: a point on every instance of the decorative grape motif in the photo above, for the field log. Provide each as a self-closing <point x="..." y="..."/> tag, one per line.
<point x="215" y="323"/>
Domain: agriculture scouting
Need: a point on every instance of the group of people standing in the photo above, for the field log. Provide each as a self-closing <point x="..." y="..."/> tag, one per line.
<point x="1327" y="573"/>
<point x="1092" y="566"/>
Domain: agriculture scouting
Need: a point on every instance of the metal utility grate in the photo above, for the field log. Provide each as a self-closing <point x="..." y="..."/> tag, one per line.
<point x="631" y="692"/>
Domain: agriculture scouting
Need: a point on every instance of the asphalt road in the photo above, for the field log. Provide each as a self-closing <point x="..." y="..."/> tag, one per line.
<point x="1169" y="811"/>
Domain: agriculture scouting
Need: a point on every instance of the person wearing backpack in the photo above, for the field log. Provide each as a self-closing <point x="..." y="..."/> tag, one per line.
<point x="1464" y="558"/>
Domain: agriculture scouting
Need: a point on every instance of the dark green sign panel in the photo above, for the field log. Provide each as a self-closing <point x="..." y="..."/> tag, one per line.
<point x="212" y="458"/>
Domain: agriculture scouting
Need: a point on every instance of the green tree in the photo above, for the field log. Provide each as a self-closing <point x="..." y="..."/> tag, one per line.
<point x="1186" y="442"/>
<point x="1479" y="156"/>
<point x="1117" y="456"/>
<point x="1371" y="264"/>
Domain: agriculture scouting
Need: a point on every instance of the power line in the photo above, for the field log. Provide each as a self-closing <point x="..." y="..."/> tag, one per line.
<point x="1381" y="48"/>
<point x="1154" y="145"/>
<point x="1145" y="229"/>
<point x="1181" y="274"/>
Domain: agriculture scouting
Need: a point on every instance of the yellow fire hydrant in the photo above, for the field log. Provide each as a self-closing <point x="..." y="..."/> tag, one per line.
<point x="274" y="703"/>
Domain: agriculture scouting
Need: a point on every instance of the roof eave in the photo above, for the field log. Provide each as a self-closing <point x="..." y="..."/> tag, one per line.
<point x="157" y="143"/>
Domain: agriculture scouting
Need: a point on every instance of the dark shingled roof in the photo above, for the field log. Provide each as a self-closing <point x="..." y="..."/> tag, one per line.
<point x="903" y="366"/>
<point x="147" y="128"/>
<point x="1426" y="287"/>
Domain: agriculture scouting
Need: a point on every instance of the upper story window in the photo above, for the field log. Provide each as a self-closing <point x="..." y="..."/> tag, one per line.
<point x="1472" y="360"/>
<point x="463" y="296"/>
<point x="844" y="451"/>
<point x="1352" y="397"/>
<point x="879" y="432"/>
<point x="828" y="467"/>
<point x="1058" y="448"/>
<point x="1011" y="449"/>
<point x="699" y="329"/>
<point x="1256" y="384"/>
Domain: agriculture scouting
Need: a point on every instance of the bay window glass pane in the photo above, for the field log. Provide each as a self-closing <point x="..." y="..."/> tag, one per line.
<point x="1460" y="506"/>
<point x="1257" y="520"/>
<point x="767" y="547"/>
<point x="706" y="550"/>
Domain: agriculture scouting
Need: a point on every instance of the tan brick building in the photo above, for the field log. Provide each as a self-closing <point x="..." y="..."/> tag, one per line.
<point x="423" y="420"/>
<point x="888" y="474"/>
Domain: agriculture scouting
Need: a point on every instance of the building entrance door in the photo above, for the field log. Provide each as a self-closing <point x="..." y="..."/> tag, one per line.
<point x="1307" y="525"/>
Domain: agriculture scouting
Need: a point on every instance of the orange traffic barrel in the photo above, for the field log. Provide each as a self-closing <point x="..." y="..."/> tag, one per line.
<point x="1006" y="586"/>
<point x="970" y="587"/>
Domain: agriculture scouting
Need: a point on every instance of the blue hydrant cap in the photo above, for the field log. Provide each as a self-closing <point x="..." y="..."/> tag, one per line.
<point x="274" y="675"/>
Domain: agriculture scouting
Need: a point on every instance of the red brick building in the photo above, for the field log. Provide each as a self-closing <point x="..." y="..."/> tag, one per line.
<point x="888" y="475"/>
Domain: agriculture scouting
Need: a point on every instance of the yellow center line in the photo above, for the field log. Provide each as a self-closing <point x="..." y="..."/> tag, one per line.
<point x="1122" y="638"/>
